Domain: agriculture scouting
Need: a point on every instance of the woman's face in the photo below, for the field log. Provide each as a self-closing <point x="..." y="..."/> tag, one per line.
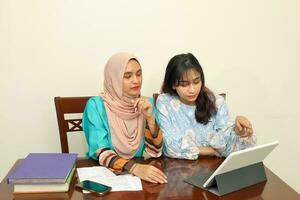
<point x="189" y="87"/>
<point x="132" y="79"/>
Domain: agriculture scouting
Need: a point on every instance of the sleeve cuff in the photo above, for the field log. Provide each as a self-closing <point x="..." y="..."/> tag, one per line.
<point x="129" y="165"/>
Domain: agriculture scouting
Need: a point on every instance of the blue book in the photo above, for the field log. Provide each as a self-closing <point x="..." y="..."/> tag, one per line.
<point x="39" y="168"/>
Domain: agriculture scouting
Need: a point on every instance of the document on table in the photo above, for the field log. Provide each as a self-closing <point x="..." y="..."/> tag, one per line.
<point x="103" y="175"/>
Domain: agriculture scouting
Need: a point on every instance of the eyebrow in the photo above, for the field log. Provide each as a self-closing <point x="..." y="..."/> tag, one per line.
<point x="130" y="72"/>
<point x="188" y="81"/>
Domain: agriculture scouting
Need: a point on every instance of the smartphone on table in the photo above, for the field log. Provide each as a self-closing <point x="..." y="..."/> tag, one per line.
<point x="94" y="187"/>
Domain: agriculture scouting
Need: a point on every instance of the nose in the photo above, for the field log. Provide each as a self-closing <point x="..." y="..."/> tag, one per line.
<point x="191" y="88"/>
<point x="134" y="79"/>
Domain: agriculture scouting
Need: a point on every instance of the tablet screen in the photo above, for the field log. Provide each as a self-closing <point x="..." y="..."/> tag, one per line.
<point x="241" y="159"/>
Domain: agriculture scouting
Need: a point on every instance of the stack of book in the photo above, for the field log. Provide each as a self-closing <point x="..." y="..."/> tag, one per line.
<point x="44" y="172"/>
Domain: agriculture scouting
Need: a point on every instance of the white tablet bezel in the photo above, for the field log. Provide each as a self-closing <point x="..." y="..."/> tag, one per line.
<point x="241" y="159"/>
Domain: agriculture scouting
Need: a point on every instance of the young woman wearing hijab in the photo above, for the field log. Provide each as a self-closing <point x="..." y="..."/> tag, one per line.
<point x="194" y="121"/>
<point x="120" y="124"/>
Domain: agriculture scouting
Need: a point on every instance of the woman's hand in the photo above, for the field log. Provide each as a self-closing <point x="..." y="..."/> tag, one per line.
<point x="209" y="151"/>
<point x="243" y="126"/>
<point x="149" y="173"/>
<point x="144" y="106"/>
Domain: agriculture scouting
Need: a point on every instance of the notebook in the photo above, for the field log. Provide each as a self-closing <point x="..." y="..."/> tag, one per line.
<point x="43" y="168"/>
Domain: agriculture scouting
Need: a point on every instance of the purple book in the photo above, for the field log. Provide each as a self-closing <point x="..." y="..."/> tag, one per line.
<point x="39" y="168"/>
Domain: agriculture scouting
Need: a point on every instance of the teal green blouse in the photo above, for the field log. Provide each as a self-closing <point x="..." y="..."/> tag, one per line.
<point x="96" y="128"/>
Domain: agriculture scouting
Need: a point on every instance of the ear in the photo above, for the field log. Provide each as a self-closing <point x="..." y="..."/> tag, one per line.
<point x="173" y="87"/>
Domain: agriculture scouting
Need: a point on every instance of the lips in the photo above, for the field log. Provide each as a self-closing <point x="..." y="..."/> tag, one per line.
<point x="135" y="88"/>
<point x="192" y="97"/>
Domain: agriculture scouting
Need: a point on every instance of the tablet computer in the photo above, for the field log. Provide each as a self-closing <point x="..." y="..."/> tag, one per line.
<point x="242" y="158"/>
<point x="239" y="170"/>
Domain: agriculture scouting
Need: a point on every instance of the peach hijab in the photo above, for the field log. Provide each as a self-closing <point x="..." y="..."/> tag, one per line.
<point x="126" y="125"/>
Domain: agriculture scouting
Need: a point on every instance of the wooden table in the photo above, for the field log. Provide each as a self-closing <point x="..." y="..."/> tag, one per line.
<point x="176" y="170"/>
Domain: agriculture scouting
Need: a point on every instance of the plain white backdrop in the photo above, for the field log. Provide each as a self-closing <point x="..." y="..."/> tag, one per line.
<point x="248" y="49"/>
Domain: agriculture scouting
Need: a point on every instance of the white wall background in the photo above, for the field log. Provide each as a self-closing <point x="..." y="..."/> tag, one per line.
<point x="248" y="49"/>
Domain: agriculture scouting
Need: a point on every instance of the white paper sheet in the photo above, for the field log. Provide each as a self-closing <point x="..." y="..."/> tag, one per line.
<point x="103" y="175"/>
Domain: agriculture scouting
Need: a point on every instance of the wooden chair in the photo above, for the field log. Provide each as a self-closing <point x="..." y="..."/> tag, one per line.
<point x="68" y="105"/>
<point x="223" y="95"/>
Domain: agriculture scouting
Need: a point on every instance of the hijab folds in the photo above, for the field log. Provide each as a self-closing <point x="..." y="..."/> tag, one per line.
<point x="126" y="125"/>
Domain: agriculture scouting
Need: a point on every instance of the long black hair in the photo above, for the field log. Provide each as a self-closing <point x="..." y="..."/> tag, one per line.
<point x="176" y="68"/>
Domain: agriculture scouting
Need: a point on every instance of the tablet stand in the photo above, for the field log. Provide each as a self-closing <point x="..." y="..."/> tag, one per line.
<point x="233" y="180"/>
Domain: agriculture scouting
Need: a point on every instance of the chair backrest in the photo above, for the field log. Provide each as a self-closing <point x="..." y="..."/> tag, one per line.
<point x="223" y="95"/>
<point x="68" y="105"/>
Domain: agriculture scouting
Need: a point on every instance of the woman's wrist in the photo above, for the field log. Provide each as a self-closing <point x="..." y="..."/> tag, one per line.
<point x="129" y="166"/>
<point x="151" y="120"/>
<point x="132" y="168"/>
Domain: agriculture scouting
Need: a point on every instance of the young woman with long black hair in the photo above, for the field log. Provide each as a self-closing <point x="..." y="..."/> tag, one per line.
<point x="194" y="121"/>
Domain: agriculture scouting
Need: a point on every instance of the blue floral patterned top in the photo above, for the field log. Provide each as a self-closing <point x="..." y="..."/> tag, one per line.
<point x="183" y="135"/>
